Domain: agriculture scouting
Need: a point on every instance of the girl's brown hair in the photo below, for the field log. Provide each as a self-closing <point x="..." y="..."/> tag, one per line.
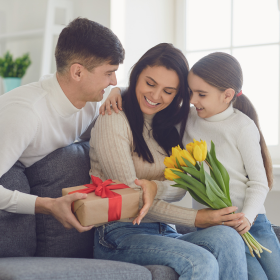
<point x="223" y="71"/>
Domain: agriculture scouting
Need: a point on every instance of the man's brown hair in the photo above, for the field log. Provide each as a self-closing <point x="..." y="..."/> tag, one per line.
<point x="88" y="43"/>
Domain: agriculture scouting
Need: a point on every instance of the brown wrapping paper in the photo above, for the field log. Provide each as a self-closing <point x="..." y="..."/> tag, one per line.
<point x="94" y="210"/>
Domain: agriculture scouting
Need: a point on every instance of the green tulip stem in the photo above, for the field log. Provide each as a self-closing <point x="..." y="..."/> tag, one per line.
<point x="249" y="246"/>
<point x="254" y="241"/>
<point x="208" y="164"/>
<point x="259" y="243"/>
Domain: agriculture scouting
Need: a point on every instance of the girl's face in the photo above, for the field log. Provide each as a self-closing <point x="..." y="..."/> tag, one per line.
<point x="156" y="88"/>
<point x="207" y="99"/>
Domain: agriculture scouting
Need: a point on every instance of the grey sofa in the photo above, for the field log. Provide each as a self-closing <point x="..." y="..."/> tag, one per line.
<point x="38" y="247"/>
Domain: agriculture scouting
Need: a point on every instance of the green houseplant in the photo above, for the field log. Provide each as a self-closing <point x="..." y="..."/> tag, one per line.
<point x="13" y="70"/>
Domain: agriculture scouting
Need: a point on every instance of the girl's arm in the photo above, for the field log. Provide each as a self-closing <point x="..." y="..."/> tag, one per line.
<point x="114" y="99"/>
<point x="249" y="146"/>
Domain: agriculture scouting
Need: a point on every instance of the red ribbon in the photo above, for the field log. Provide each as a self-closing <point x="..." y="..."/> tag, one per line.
<point x="103" y="190"/>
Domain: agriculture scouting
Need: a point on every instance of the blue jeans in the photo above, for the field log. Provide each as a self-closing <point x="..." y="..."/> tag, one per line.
<point x="268" y="266"/>
<point x="220" y="253"/>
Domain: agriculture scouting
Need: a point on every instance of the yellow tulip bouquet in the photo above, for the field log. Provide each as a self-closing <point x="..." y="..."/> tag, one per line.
<point x="186" y="168"/>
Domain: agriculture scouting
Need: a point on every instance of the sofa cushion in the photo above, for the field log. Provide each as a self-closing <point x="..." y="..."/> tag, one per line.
<point x="70" y="269"/>
<point x="18" y="231"/>
<point x="65" y="167"/>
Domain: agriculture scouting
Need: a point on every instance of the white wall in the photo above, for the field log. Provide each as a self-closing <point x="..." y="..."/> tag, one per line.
<point x="140" y="25"/>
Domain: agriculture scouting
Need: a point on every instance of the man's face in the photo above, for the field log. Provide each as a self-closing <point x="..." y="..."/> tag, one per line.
<point x="94" y="82"/>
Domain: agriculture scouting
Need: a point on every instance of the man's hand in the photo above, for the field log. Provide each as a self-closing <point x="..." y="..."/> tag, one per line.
<point x="114" y="99"/>
<point x="149" y="192"/>
<point x="60" y="209"/>
<point x="244" y="227"/>
<point x="208" y="217"/>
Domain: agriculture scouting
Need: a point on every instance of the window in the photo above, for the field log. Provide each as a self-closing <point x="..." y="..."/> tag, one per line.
<point x="249" y="30"/>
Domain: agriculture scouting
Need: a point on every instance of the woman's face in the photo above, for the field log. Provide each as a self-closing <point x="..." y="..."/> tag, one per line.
<point x="156" y="88"/>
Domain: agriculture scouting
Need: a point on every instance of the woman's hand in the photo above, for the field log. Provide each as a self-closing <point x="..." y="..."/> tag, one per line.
<point x="244" y="227"/>
<point x="208" y="217"/>
<point x="114" y="99"/>
<point x="149" y="192"/>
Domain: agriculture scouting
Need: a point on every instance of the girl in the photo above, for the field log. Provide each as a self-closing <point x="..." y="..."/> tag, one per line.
<point x="223" y="114"/>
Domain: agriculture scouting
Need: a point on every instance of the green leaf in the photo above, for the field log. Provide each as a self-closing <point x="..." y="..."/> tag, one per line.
<point x="191" y="171"/>
<point x="178" y="164"/>
<point x="201" y="174"/>
<point x="179" y="181"/>
<point x="14" y="68"/>
<point x="192" y="181"/>
<point x="222" y="169"/>
<point x="215" y="172"/>
<point x="195" y="193"/>
<point x="213" y="194"/>
<point x="198" y="199"/>
<point x="189" y="164"/>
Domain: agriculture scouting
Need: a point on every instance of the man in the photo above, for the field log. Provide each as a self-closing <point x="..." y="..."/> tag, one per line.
<point x="38" y="118"/>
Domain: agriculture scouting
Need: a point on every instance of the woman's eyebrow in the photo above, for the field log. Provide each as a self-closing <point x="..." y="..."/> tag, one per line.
<point x="157" y="83"/>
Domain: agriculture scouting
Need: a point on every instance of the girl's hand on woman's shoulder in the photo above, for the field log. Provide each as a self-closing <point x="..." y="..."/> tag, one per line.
<point x="208" y="217"/>
<point x="149" y="192"/>
<point x="114" y="99"/>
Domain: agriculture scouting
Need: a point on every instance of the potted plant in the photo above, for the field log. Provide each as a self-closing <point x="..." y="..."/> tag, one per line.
<point x="13" y="70"/>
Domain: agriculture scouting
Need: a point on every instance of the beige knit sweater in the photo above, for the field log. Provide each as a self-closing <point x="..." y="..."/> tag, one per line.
<point x="112" y="157"/>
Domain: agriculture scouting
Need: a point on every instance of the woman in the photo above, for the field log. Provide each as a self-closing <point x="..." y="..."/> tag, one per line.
<point x="133" y="144"/>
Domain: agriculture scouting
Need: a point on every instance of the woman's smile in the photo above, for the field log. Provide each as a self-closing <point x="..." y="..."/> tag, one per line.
<point x="156" y="88"/>
<point x="150" y="103"/>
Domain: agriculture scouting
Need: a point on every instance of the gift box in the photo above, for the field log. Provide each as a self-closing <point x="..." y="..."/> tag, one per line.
<point x="104" y="203"/>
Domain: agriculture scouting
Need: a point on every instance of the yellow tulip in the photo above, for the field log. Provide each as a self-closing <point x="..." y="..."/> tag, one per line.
<point x="170" y="162"/>
<point x="189" y="148"/>
<point x="169" y="175"/>
<point x="185" y="154"/>
<point x="199" y="150"/>
<point x="176" y="150"/>
<point x="176" y="154"/>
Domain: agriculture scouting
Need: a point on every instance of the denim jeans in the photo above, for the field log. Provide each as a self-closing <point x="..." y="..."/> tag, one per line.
<point x="220" y="253"/>
<point x="268" y="266"/>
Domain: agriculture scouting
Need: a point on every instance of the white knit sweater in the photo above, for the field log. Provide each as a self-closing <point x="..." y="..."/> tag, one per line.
<point x="113" y="157"/>
<point x="236" y="139"/>
<point x="35" y="120"/>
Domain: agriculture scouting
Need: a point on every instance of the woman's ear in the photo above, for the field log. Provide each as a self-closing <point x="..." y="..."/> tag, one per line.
<point x="229" y="94"/>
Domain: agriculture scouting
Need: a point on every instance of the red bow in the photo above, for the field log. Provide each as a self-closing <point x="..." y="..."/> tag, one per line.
<point x="103" y="189"/>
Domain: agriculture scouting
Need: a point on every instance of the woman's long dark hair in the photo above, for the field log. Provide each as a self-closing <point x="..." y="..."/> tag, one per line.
<point x="223" y="71"/>
<point x="164" y="131"/>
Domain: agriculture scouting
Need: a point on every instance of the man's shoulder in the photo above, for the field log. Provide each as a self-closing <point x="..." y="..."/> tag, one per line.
<point x="26" y="95"/>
